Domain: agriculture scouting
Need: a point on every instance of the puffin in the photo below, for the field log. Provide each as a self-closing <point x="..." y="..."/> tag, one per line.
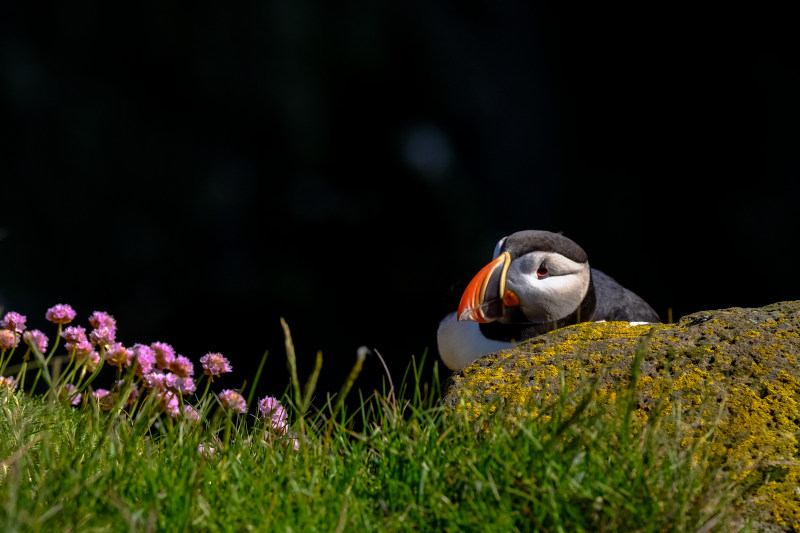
<point x="537" y="281"/>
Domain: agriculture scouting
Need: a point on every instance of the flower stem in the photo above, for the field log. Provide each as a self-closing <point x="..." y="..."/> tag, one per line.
<point x="46" y="360"/>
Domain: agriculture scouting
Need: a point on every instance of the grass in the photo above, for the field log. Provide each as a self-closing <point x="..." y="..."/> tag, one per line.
<point x="397" y="462"/>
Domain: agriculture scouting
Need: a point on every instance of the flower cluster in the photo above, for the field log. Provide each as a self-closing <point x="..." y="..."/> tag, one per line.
<point x="107" y="398"/>
<point x="104" y="398"/>
<point x="60" y="314"/>
<point x="8" y="339"/>
<point x="161" y="372"/>
<point x="147" y="374"/>
<point x="13" y="321"/>
<point x="145" y="359"/>
<point x="232" y="400"/>
<point x="119" y="356"/>
<point x="11" y="327"/>
<point x="8" y="383"/>
<point x="272" y="409"/>
<point x="67" y="393"/>
<point x="87" y="348"/>
<point x="215" y="364"/>
<point x="182" y="366"/>
<point x="206" y="449"/>
<point x="165" y="354"/>
<point x="36" y="339"/>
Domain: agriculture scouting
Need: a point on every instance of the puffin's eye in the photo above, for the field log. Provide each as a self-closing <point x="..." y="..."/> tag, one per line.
<point x="542" y="271"/>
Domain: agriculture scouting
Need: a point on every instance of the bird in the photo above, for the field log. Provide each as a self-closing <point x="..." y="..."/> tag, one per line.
<point x="537" y="281"/>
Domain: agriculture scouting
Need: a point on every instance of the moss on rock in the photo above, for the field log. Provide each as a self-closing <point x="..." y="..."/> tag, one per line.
<point x="732" y="370"/>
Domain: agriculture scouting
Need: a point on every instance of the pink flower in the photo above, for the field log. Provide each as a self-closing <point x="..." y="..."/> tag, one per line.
<point x="99" y="319"/>
<point x="119" y="356"/>
<point x="74" y="334"/>
<point x="8" y="383"/>
<point x="215" y="364"/>
<point x="104" y="398"/>
<point x="82" y="347"/>
<point x="206" y="450"/>
<point x="154" y="380"/>
<point x="8" y="339"/>
<point x="90" y="360"/>
<point x="171" y="380"/>
<point x="233" y="401"/>
<point x="38" y="339"/>
<point x="13" y="321"/>
<point x="60" y="314"/>
<point x="101" y="393"/>
<point x="165" y="355"/>
<point x="178" y="384"/>
<point x="269" y="404"/>
<point x="280" y="421"/>
<point x="102" y="336"/>
<point x="169" y="403"/>
<point x="160" y="381"/>
<point x="67" y="392"/>
<point x="76" y="341"/>
<point x="185" y="385"/>
<point x="271" y="407"/>
<point x="191" y="413"/>
<point x="134" y="392"/>
<point x="145" y="359"/>
<point x="182" y="366"/>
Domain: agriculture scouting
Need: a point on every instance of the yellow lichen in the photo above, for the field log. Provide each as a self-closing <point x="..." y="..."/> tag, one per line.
<point x="751" y="403"/>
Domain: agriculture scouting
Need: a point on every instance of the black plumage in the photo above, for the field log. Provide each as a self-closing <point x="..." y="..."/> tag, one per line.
<point x="551" y="286"/>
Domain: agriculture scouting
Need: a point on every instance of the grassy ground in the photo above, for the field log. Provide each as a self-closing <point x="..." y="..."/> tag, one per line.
<point x="410" y="468"/>
<point x="399" y="462"/>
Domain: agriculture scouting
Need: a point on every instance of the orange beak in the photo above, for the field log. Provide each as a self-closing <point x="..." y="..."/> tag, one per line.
<point x="484" y="297"/>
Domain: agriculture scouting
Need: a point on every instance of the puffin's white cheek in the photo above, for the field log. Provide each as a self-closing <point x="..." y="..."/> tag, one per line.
<point x="564" y="293"/>
<point x="551" y="298"/>
<point x="533" y="297"/>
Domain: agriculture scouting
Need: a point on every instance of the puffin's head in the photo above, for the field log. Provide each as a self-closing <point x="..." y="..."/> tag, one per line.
<point x="535" y="277"/>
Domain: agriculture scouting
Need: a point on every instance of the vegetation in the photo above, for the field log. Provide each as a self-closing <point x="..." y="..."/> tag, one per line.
<point x="400" y="461"/>
<point x="727" y="379"/>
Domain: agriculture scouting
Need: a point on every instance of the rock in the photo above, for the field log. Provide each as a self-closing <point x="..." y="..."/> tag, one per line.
<point x="735" y="367"/>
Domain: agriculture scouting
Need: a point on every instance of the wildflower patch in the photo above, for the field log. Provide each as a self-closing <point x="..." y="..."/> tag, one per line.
<point x="150" y="378"/>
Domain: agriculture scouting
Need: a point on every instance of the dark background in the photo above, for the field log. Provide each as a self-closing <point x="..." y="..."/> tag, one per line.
<point x="199" y="171"/>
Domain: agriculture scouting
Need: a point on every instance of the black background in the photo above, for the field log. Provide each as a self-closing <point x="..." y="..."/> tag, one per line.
<point x="201" y="170"/>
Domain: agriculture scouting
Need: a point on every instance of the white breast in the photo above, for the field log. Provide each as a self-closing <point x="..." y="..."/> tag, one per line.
<point x="461" y="343"/>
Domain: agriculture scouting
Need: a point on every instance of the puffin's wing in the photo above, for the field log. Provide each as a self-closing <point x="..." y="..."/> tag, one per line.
<point x="615" y="302"/>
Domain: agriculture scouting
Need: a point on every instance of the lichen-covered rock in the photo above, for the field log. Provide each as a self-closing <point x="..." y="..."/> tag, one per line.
<point x="735" y="369"/>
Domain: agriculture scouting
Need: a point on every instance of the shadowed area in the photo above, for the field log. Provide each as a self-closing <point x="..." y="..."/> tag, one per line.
<point x="200" y="173"/>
